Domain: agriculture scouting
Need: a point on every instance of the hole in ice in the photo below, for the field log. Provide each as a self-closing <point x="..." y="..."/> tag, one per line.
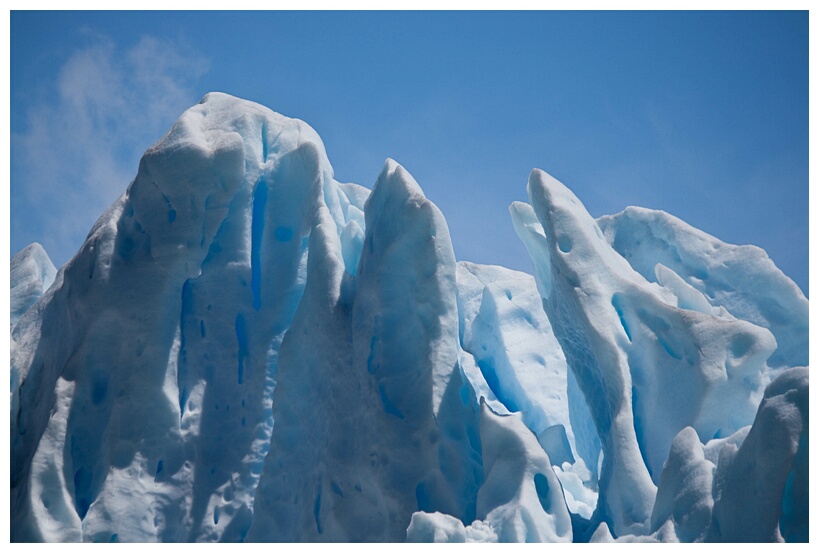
<point x="99" y="388"/>
<point x="202" y="328"/>
<point x="388" y="405"/>
<point x="508" y="295"/>
<point x="283" y="234"/>
<point x="492" y="378"/>
<point x="638" y="427"/>
<point x="159" y="466"/>
<point x="422" y="497"/>
<point x="82" y="490"/>
<point x="317" y="512"/>
<point x="126" y="247"/>
<point x="216" y="515"/>
<point x="740" y="344"/>
<point x="564" y="243"/>
<point x="542" y="489"/>
<point x="669" y="349"/>
<point x="371" y="367"/>
<point x="617" y="303"/>
<point x="700" y="273"/>
<point x="183" y="398"/>
<point x="215" y="247"/>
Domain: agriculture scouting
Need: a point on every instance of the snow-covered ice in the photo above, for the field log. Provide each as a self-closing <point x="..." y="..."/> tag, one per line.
<point x="245" y="349"/>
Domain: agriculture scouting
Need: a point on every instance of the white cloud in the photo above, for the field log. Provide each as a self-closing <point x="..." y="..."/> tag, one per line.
<point x="79" y="151"/>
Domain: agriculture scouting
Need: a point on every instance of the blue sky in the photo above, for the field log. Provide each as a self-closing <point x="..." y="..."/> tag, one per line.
<point x="701" y="114"/>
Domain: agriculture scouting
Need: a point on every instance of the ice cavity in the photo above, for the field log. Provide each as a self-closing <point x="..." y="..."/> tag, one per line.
<point x="646" y="367"/>
<point x="742" y="279"/>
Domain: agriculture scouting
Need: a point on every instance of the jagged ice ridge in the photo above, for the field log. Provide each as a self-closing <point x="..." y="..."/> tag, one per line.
<point x="245" y="349"/>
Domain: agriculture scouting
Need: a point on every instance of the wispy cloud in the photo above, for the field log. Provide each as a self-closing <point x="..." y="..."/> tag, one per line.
<point x="78" y="152"/>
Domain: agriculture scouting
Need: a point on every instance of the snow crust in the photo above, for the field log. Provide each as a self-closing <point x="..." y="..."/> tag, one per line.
<point x="245" y="349"/>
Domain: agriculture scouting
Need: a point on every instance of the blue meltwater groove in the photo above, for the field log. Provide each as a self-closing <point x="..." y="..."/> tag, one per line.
<point x="256" y="233"/>
<point x="241" y="338"/>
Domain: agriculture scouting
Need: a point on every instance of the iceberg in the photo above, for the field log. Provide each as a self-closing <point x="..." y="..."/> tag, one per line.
<point x="245" y="349"/>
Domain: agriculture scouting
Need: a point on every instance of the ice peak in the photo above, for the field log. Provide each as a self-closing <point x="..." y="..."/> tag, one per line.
<point x="31" y="273"/>
<point x="222" y="123"/>
<point x="544" y="186"/>
<point x="398" y="181"/>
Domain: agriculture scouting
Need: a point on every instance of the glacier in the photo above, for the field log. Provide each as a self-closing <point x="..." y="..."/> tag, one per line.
<point x="245" y="349"/>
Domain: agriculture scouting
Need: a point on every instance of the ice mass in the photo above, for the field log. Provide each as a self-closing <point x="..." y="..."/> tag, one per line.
<point x="245" y="349"/>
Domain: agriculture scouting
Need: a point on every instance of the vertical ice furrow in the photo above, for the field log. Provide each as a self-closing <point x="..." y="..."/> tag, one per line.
<point x="243" y="351"/>
<point x="257" y="232"/>
<point x="183" y="380"/>
<point x="264" y="141"/>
